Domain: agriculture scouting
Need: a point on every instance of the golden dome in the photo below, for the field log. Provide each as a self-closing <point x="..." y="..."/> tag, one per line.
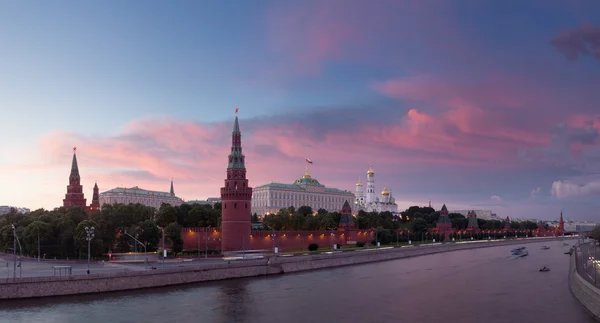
<point x="359" y="183"/>
<point x="385" y="192"/>
<point x="370" y="172"/>
<point x="306" y="175"/>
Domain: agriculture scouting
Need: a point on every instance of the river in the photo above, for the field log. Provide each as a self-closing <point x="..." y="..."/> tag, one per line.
<point x="479" y="285"/>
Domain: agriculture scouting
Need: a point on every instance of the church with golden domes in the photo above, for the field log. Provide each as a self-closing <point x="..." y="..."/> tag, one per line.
<point x="368" y="201"/>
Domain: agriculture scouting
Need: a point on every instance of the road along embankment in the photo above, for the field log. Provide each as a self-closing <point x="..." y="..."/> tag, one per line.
<point x="33" y="287"/>
<point x="587" y="294"/>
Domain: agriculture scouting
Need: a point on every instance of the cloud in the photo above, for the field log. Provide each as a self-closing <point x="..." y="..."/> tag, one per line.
<point x="576" y="187"/>
<point x="583" y="40"/>
<point x="535" y="192"/>
<point x="496" y="198"/>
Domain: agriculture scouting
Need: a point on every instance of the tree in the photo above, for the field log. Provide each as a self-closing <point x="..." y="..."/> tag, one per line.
<point x="149" y="234"/>
<point x="595" y="234"/>
<point x="173" y="234"/>
<point x="166" y="214"/>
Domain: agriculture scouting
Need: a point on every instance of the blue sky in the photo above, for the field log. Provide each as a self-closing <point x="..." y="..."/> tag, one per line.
<point x="454" y="102"/>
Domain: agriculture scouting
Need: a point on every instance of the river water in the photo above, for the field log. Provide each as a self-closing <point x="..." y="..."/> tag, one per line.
<point x="479" y="285"/>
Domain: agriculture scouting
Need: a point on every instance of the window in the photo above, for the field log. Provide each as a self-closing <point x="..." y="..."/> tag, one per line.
<point x="235" y="205"/>
<point x="225" y="205"/>
<point x="246" y="205"/>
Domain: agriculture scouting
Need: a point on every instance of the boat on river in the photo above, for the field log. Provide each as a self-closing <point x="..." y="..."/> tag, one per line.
<point x="519" y="252"/>
<point x="544" y="269"/>
<point x="545" y="247"/>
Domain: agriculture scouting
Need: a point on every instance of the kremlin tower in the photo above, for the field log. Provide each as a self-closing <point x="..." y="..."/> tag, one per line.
<point x="95" y="206"/>
<point x="561" y="225"/>
<point x="74" y="196"/>
<point x="236" y="197"/>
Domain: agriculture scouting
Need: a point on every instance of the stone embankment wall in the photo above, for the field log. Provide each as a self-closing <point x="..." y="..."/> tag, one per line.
<point x="587" y="294"/>
<point x="71" y="285"/>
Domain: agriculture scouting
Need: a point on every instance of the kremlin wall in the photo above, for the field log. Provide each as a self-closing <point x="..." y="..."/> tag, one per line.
<point x="239" y="200"/>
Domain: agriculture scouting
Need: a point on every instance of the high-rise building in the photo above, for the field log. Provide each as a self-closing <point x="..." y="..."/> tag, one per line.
<point x="74" y="196"/>
<point x="236" y="196"/>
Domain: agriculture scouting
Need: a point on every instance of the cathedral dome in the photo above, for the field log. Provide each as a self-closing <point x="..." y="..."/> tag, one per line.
<point x="385" y="192"/>
<point x="370" y="172"/>
<point x="359" y="183"/>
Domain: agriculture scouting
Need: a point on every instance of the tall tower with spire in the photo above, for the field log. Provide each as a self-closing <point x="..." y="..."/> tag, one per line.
<point x="561" y="225"/>
<point x="236" y="196"/>
<point x="74" y="196"/>
<point x="370" y="185"/>
<point x="95" y="206"/>
<point x="172" y="191"/>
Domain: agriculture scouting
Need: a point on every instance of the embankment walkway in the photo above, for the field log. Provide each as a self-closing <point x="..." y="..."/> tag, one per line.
<point x="32" y="287"/>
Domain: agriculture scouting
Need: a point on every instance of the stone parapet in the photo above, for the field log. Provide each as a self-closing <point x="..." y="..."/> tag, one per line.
<point x="587" y="294"/>
<point x="33" y="287"/>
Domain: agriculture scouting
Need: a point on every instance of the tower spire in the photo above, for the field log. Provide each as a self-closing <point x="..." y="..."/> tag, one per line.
<point x="236" y="198"/>
<point x="172" y="191"/>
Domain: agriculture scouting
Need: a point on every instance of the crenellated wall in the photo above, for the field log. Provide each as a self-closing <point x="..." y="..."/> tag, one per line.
<point x="200" y="238"/>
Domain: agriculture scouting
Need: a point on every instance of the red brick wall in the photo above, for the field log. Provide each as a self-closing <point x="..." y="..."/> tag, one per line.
<point x="261" y="240"/>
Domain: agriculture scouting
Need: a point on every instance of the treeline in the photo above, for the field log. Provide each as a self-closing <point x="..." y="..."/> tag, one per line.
<point x="415" y="218"/>
<point x="60" y="233"/>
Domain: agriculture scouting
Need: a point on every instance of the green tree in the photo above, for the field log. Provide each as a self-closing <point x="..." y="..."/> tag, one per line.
<point x="173" y="234"/>
<point x="166" y="214"/>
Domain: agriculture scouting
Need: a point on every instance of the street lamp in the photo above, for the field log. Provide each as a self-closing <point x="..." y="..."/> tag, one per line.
<point x="89" y="235"/>
<point x="273" y="239"/>
<point x="206" y="244"/>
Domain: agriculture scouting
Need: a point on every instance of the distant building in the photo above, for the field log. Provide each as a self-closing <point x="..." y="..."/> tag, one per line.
<point x="481" y="214"/>
<point x="369" y="202"/>
<point x="4" y="209"/>
<point x="209" y="201"/>
<point x="305" y="191"/>
<point x="135" y="195"/>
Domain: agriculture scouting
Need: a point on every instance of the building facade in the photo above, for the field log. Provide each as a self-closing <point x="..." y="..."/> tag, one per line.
<point x="305" y="191"/>
<point x="209" y="201"/>
<point x="133" y="195"/>
<point x="236" y="196"/>
<point x="5" y="209"/>
<point x="481" y="214"/>
<point x="368" y="201"/>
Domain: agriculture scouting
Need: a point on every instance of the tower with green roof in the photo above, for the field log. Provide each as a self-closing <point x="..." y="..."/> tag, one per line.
<point x="236" y="197"/>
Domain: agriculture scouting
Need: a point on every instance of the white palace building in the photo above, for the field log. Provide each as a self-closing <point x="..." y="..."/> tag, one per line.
<point x="368" y="202"/>
<point x="133" y="195"/>
<point x="305" y="191"/>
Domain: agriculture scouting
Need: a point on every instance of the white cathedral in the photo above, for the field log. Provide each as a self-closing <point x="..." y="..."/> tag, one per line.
<point x="368" y="202"/>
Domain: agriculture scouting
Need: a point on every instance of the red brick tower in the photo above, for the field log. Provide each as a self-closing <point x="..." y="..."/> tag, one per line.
<point x="74" y="196"/>
<point x="95" y="206"/>
<point x="347" y="223"/>
<point x="561" y="225"/>
<point x="507" y="224"/>
<point x="444" y="225"/>
<point x="473" y="225"/>
<point x="236" y="196"/>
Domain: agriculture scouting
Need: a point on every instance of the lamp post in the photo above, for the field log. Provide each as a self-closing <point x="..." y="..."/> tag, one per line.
<point x="206" y="244"/>
<point x="273" y="239"/>
<point x="143" y="245"/>
<point x="14" y="251"/>
<point x="89" y="235"/>
<point x="163" y="244"/>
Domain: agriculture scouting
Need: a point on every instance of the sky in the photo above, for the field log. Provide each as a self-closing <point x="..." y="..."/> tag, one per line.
<point x="473" y="104"/>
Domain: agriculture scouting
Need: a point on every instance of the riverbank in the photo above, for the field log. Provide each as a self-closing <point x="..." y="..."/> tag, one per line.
<point x="586" y="293"/>
<point x="34" y="287"/>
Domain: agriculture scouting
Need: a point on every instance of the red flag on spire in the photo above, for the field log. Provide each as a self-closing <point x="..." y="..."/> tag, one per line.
<point x="74" y="148"/>
<point x="236" y="110"/>
<point x="309" y="161"/>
